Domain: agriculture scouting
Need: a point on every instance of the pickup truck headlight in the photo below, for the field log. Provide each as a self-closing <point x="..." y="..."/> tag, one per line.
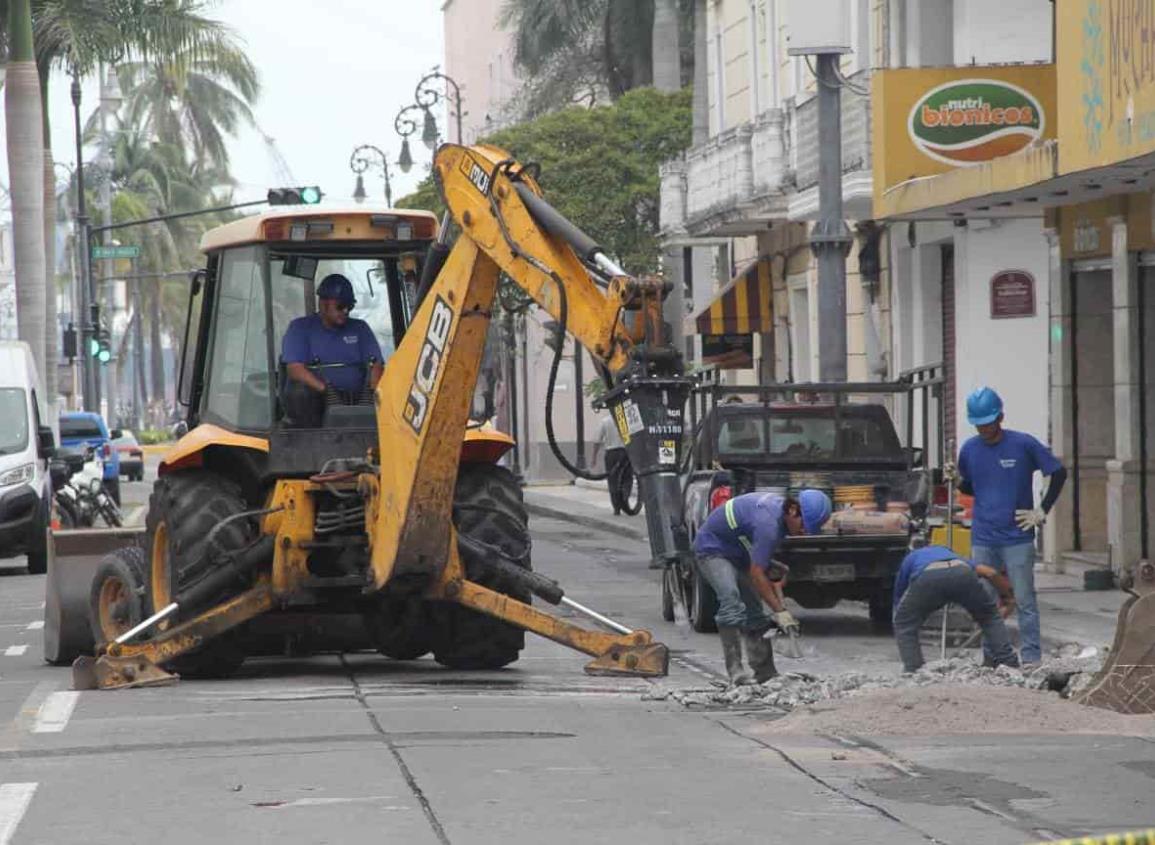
<point x="19" y="475"/>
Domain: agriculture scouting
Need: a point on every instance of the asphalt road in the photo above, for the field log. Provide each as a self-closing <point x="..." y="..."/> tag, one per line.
<point x="359" y="749"/>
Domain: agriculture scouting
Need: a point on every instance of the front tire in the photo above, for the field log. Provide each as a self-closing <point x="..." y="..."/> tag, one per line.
<point x="116" y="600"/>
<point x="38" y="541"/>
<point x="488" y="510"/>
<point x="882" y="612"/>
<point x="183" y="509"/>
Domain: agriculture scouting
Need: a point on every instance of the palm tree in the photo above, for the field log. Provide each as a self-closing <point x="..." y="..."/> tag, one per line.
<point x="192" y="100"/>
<point x="24" y="118"/>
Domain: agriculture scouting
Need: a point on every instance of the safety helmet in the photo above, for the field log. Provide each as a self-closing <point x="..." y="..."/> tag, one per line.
<point x="983" y="406"/>
<point x="816" y="509"/>
<point x="335" y="286"/>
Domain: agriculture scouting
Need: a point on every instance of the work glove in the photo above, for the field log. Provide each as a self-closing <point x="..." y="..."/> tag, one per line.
<point x="785" y="620"/>
<point x="950" y="473"/>
<point x="1030" y="519"/>
<point x="1006" y="607"/>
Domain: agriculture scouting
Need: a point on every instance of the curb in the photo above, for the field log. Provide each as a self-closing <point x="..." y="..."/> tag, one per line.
<point x="557" y="512"/>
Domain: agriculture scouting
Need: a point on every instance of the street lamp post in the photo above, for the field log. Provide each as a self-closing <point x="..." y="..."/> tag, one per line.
<point x="359" y="162"/>
<point x="404" y="125"/>
<point x="427" y="96"/>
<point x="89" y="310"/>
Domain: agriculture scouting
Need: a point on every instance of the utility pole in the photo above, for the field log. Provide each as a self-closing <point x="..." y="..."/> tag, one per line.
<point x="109" y="100"/>
<point x="821" y="28"/>
<point x="89" y="310"/>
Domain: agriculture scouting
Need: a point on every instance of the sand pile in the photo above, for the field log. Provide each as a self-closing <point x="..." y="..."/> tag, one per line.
<point x="955" y="709"/>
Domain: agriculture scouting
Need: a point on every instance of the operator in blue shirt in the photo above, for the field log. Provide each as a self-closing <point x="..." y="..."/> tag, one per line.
<point x="934" y="577"/>
<point x="329" y="357"/>
<point x="734" y="552"/>
<point x="997" y="467"/>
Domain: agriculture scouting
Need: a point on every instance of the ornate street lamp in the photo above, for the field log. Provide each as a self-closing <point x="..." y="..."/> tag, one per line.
<point x="427" y="95"/>
<point x="405" y="126"/>
<point x="359" y="162"/>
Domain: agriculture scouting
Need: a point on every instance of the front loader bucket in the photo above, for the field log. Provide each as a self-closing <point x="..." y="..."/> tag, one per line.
<point x="1126" y="683"/>
<point x="104" y="672"/>
<point x="651" y="660"/>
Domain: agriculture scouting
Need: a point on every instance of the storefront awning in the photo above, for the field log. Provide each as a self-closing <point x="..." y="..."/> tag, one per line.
<point x="743" y="306"/>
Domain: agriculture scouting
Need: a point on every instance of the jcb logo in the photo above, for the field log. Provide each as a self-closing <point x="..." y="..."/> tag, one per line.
<point x="479" y="178"/>
<point x="428" y="364"/>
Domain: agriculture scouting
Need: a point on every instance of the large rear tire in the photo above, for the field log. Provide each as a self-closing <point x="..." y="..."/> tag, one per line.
<point x="183" y="509"/>
<point x="487" y="510"/>
<point x="703" y="604"/>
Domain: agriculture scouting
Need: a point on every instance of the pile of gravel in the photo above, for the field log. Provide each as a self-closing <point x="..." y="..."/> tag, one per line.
<point x="1064" y="674"/>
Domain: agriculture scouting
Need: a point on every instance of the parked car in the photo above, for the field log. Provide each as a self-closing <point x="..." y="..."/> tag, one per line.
<point x="86" y="428"/>
<point x="131" y="455"/>
<point x="25" y="448"/>
<point x="796" y="438"/>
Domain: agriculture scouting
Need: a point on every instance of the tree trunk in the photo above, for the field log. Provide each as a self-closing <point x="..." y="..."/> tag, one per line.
<point x="667" y="53"/>
<point x="156" y="353"/>
<point x="25" y="122"/>
<point x="51" y="333"/>
<point x="701" y="99"/>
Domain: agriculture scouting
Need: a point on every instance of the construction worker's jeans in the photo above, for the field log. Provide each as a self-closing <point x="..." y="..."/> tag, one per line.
<point x="1017" y="562"/>
<point x="739" y="606"/>
<point x="935" y="588"/>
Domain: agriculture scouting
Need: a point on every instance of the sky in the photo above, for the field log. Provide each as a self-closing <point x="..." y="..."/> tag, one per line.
<point x="334" y="75"/>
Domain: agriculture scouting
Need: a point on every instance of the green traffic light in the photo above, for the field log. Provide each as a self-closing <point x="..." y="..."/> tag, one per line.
<point x="310" y="196"/>
<point x="93" y="347"/>
<point x="104" y="356"/>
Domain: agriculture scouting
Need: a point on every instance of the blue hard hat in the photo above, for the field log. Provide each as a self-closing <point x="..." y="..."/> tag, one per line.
<point x="335" y="286"/>
<point x="816" y="509"/>
<point x="983" y="406"/>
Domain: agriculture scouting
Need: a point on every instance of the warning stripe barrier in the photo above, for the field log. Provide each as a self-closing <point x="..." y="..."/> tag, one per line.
<point x="1134" y="837"/>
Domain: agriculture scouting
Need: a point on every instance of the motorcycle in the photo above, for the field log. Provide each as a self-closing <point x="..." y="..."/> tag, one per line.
<point x="79" y="492"/>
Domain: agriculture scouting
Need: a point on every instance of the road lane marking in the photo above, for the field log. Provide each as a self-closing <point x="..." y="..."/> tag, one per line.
<point x="35" y="626"/>
<point x="13" y="733"/>
<point x="55" y="712"/>
<point x="15" y="650"/>
<point x="14" y="801"/>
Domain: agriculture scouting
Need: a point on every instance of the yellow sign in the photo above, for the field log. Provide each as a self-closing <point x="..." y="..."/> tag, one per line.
<point x="932" y="120"/>
<point x="1085" y="230"/>
<point x="1106" y="56"/>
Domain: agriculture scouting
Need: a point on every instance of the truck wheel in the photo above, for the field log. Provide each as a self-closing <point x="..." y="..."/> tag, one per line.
<point x="400" y="629"/>
<point x="703" y="605"/>
<point x="38" y="542"/>
<point x="183" y="509"/>
<point x="487" y="508"/>
<point x="116" y="601"/>
<point x="882" y="612"/>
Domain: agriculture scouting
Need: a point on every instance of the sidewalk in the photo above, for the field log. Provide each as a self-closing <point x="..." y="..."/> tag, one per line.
<point x="1069" y="613"/>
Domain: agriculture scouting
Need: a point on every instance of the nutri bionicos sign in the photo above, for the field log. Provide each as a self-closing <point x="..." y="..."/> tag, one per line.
<point x="974" y="120"/>
<point x="929" y="121"/>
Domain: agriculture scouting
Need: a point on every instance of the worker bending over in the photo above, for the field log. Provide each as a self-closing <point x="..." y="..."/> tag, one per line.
<point x="330" y="357"/>
<point x="936" y="576"/>
<point x="997" y="467"/>
<point x="734" y="552"/>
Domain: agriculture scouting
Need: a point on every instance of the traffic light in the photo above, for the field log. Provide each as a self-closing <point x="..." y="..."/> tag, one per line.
<point x="309" y="195"/>
<point x="99" y="346"/>
<point x="69" y="349"/>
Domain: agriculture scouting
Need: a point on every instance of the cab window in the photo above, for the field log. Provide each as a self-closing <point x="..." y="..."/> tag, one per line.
<point x="238" y="390"/>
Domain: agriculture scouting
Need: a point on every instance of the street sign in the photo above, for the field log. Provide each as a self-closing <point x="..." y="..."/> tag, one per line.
<point x="116" y="252"/>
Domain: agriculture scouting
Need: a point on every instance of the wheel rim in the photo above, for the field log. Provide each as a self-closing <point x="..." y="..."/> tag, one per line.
<point x="159" y="574"/>
<point x="114" y="608"/>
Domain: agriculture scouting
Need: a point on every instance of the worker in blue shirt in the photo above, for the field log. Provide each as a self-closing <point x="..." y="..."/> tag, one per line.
<point x="933" y="577"/>
<point x="734" y="552"/>
<point x="997" y="467"/>
<point x="329" y="357"/>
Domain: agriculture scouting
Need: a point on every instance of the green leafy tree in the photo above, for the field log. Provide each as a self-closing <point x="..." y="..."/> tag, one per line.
<point x="599" y="167"/>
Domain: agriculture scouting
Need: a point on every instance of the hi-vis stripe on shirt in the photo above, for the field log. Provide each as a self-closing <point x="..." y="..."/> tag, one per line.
<point x="732" y="521"/>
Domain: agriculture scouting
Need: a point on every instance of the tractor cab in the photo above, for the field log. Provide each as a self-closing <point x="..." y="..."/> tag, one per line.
<point x="262" y="273"/>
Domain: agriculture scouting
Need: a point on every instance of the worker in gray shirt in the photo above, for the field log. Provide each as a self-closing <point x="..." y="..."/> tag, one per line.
<point x="619" y="474"/>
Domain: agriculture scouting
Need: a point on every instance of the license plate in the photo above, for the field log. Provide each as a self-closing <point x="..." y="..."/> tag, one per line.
<point x="834" y="572"/>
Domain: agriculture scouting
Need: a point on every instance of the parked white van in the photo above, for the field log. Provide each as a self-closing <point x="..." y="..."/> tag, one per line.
<point x="25" y="447"/>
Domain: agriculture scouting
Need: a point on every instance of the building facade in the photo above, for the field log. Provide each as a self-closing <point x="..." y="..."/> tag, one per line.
<point x="1052" y="221"/>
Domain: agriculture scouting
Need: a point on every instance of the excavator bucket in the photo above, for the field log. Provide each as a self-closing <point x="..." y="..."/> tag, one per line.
<point x="103" y="672"/>
<point x="1126" y="683"/>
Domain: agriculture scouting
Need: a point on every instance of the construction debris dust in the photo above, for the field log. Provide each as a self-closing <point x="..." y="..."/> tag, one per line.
<point x="944" y="697"/>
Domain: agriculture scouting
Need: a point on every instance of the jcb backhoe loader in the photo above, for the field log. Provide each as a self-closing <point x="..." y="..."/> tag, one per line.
<point x="394" y="509"/>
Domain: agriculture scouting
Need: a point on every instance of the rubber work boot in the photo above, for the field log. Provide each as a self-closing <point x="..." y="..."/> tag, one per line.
<point x="732" y="653"/>
<point x="760" y="653"/>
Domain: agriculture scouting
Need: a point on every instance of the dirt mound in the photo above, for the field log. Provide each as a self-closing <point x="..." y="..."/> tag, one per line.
<point x="933" y="710"/>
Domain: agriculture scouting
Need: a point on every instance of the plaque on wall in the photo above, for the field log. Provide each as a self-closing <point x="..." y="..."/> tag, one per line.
<point x="1012" y="295"/>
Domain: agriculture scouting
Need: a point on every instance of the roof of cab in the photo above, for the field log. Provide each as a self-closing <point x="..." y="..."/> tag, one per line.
<point x="248" y="229"/>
